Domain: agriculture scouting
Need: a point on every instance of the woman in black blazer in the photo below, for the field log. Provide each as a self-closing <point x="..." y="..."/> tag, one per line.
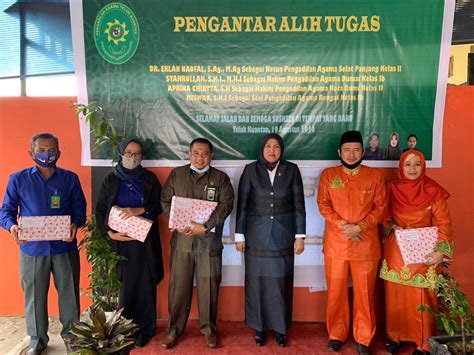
<point x="270" y="229"/>
<point x="137" y="192"/>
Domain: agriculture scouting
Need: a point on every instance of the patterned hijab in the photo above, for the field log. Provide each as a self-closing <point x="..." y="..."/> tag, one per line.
<point x="407" y="196"/>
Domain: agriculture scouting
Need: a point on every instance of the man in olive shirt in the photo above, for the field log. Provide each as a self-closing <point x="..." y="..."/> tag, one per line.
<point x="197" y="248"/>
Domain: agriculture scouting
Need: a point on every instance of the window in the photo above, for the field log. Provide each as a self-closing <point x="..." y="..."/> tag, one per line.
<point x="36" y="53"/>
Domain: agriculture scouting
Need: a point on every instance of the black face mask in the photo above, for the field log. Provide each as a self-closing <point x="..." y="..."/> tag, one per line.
<point x="351" y="166"/>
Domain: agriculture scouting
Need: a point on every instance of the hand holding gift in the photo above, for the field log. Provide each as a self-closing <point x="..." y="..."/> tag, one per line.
<point x="128" y="227"/>
<point x="45" y="228"/>
<point x="188" y="215"/>
<point x="417" y="245"/>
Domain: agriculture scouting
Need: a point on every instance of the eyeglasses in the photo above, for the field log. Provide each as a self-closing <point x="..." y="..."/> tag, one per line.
<point x="130" y="154"/>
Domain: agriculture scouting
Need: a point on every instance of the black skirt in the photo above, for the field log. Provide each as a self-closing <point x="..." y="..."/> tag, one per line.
<point x="269" y="289"/>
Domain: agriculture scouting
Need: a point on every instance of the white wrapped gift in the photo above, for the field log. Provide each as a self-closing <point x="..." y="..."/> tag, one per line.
<point x="43" y="228"/>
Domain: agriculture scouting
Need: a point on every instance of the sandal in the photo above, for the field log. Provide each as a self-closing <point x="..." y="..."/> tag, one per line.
<point x="392" y="347"/>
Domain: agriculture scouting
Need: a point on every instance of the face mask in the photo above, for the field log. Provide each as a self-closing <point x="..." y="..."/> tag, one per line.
<point x="351" y="166"/>
<point x="200" y="171"/>
<point x="130" y="163"/>
<point x="46" y="159"/>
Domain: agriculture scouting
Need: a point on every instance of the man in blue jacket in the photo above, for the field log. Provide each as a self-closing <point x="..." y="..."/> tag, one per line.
<point x="46" y="190"/>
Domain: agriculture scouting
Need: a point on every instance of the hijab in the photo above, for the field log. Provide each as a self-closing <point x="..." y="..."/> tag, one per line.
<point x="393" y="153"/>
<point x="261" y="159"/>
<point x="407" y="196"/>
<point x="120" y="171"/>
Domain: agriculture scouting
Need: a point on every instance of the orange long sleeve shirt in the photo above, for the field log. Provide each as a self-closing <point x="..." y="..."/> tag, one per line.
<point x="356" y="197"/>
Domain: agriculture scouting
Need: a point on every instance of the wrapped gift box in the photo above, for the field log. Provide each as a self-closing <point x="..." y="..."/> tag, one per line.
<point x="416" y="243"/>
<point x="135" y="226"/>
<point x="186" y="210"/>
<point x="42" y="228"/>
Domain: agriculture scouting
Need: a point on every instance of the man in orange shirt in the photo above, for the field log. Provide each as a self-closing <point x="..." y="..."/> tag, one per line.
<point x="352" y="199"/>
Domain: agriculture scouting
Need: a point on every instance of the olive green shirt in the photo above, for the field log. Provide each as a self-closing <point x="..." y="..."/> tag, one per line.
<point x="184" y="182"/>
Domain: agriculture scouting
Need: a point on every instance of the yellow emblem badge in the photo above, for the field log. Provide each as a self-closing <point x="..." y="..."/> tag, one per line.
<point x="337" y="183"/>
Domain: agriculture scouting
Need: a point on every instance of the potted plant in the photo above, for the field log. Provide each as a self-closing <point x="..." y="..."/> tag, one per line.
<point x="104" y="283"/>
<point x="100" y="334"/>
<point x="104" y="330"/>
<point x="453" y="317"/>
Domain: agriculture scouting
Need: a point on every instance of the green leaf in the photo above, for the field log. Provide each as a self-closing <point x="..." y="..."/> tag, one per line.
<point x="446" y="326"/>
<point x="81" y="333"/>
<point x="112" y="127"/>
<point x="102" y="128"/>
<point x="88" y="352"/>
<point x="91" y="118"/>
<point x="119" y="347"/>
<point x="113" y="318"/>
<point x="79" y="110"/>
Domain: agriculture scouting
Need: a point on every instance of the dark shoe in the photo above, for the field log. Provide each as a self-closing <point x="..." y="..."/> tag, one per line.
<point x="260" y="338"/>
<point x="419" y="352"/>
<point x="211" y="340"/>
<point x="280" y="339"/>
<point x="334" y="345"/>
<point x="392" y="347"/>
<point x="363" y="349"/>
<point x="142" y="340"/>
<point x="169" y="342"/>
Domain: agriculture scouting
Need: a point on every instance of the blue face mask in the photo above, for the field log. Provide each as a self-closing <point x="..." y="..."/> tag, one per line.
<point x="200" y="171"/>
<point x="46" y="159"/>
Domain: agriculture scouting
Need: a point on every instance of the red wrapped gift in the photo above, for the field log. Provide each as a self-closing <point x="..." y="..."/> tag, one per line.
<point x="186" y="210"/>
<point x="135" y="227"/>
<point x="42" y="228"/>
<point x="416" y="243"/>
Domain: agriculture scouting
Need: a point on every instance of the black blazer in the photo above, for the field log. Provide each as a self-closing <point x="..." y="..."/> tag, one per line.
<point x="151" y="203"/>
<point x="270" y="216"/>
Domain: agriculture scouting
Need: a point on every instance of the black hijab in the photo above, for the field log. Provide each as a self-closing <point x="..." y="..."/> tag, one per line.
<point x="261" y="159"/>
<point x="393" y="153"/>
<point x="120" y="171"/>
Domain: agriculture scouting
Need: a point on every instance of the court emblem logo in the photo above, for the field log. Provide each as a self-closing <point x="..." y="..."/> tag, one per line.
<point x="116" y="33"/>
<point x="337" y="183"/>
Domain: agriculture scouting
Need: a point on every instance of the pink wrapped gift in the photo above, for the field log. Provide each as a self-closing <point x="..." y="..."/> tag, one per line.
<point x="186" y="210"/>
<point x="135" y="226"/>
<point x="416" y="243"/>
<point x="42" y="228"/>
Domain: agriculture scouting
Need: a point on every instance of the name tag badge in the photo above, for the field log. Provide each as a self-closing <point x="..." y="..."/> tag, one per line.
<point x="211" y="194"/>
<point x="55" y="201"/>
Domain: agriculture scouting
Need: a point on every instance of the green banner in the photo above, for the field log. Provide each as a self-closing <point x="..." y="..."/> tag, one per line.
<point x="233" y="71"/>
